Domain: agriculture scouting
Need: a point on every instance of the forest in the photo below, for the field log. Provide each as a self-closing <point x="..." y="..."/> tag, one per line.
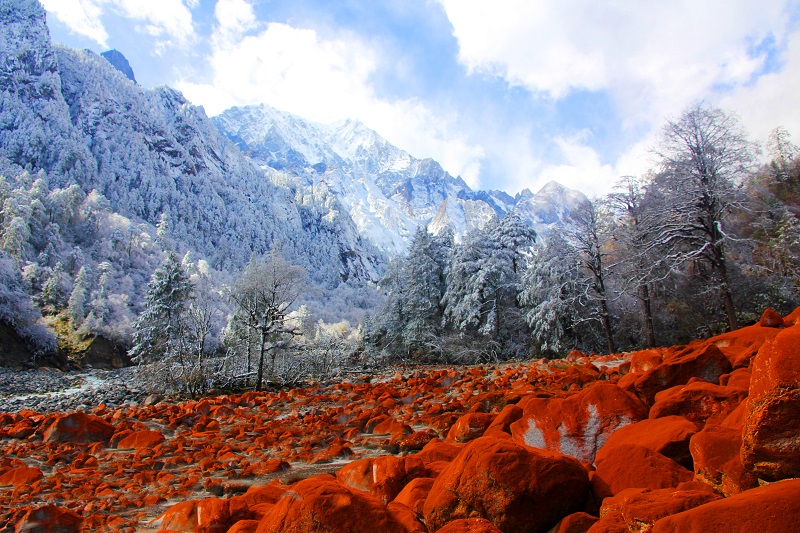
<point x="699" y="245"/>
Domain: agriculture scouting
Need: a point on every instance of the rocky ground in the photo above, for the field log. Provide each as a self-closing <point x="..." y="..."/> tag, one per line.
<point x="48" y="390"/>
<point x="703" y="437"/>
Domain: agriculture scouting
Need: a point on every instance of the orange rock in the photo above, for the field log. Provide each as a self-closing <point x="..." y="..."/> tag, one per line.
<point x="579" y="424"/>
<point x="210" y="515"/>
<point x="668" y="436"/>
<point x="383" y="477"/>
<point x="698" y="401"/>
<point x="515" y="487"/>
<point x="641" y="508"/>
<point x="23" y="475"/>
<point x="417" y="440"/>
<point x="792" y="318"/>
<point x="469" y="427"/>
<point x="414" y="493"/>
<point x="773" y="508"/>
<point x="716" y="451"/>
<point x="244" y="526"/>
<point x="392" y="427"/>
<point x="770" y="319"/>
<point x="469" y="525"/>
<point x="49" y="518"/>
<point x="78" y="427"/>
<point x="741" y="345"/>
<point x="320" y="504"/>
<point x="698" y="360"/>
<point x="436" y="450"/>
<point x="407" y="519"/>
<point x="771" y="447"/>
<point x="141" y="440"/>
<point x="738" y="378"/>
<point x="575" y="523"/>
<point x="502" y="424"/>
<point x="634" y="466"/>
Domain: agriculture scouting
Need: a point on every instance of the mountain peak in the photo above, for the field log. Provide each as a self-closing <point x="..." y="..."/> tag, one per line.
<point x="120" y="62"/>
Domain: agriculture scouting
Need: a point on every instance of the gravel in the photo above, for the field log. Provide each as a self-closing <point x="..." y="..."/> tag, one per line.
<point x="47" y="390"/>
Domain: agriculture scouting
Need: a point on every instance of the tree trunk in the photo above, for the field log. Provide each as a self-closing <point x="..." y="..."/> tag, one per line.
<point x="260" y="375"/>
<point x="724" y="287"/>
<point x="647" y="309"/>
<point x="612" y="348"/>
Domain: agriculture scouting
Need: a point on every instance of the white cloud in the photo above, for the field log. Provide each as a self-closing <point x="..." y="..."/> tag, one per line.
<point x="169" y="21"/>
<point x="81" y="17"/>
<point x="325" y="80"/>
<point x="652" y="58"/>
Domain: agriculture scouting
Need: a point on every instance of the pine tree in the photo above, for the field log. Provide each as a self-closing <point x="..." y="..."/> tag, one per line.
<point x="158" y="330"/>
<point x="76" y="307"/>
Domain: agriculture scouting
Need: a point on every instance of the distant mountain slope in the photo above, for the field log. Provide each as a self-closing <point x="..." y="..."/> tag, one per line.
<point x="386" y="191"/>
<point x="150" y="152"/>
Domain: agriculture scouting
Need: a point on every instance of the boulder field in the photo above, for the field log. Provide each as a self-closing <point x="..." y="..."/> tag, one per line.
<point x="697" y="438"/>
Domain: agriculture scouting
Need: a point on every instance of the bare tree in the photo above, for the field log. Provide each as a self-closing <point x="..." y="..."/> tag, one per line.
<point x="587" y="236"/>
<point x="704" y="156"/>
<point x="263" y="296"/>
<point x="633" y="234"/>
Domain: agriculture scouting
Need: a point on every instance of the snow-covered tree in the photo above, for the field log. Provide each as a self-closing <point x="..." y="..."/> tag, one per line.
<point x="159" y="329"/>
<point x="263" y="297"/>
<point x="704" y="157"/>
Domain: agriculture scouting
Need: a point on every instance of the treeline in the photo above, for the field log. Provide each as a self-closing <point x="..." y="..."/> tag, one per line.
<point x="701" y="244"/>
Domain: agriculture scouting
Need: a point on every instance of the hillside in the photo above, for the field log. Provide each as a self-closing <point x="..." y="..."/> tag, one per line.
<point x="688" y="438"/>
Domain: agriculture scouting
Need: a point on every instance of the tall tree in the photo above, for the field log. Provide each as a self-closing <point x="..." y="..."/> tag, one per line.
<point x="263" y="296"/>
<point x="704" y="156"/>
<point x="633" y="232"/>
<point x="587" y="235"/>
<point x="158" y="331"/>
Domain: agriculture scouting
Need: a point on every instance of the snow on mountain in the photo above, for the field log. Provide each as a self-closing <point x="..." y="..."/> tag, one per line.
<point x="387" y="192"/>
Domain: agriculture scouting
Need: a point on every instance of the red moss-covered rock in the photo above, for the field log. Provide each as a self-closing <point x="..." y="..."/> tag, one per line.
<point x="741" y="345"/>
<point x="320" y="504"/>
<point x="49" y="518"/>
<point x="244" y="526"/>
<point x="414" y="493"/>
<point x="141" y="440"/>
<point x="22" y="475"/>
<point x="418" y="440"/>
<point x="210" y="515"/>
<point x="641" y="508"/>
<point x="612" y="522"/>
<point x="773" y="508"/>
<point x="578" y="425"/>
<point x="668" y="436"/>
<point x="771" y="447"/>
<point x="516" y="488"/>
<point x="698" y="401"/>
<point x="575" y="523"/>
<point x="470" y="525"/>
<point x="383" y="477"/>
<point x="79" y="427"/>
<point x="634" y="466"/>
<point x="717" y="461"/>
<point x="770" y="319"/>
<point x="698" y="360"/>
<point x="437" y="450"/>
<point x="502" y="424"/>
<point x="469" y="427"/>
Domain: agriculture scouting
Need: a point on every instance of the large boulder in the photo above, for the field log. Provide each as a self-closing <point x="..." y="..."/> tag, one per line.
<point x="48" y="518"/>
<point x="632" y="466"/>
<point x="716" y="453"/>
<point x="518" y="489"/>
<point x="697" y="360"/>
<point x="668" y="436"/>
<point x="319" y="503"/>
<point x="469" y="427"/>
<point x="770" y="444"/>
<point x="642" y="508"/>
<point x="79" y="427"/>
<point x="209" y="515"/>
<point x="773" y="508"/>
<point x="383" y="477"/>
<point x="578" y="425"/>
<point x="698" y="401"/>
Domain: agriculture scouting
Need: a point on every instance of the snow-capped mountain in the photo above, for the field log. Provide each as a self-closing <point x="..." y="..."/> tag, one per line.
<point x="387" y="192"/>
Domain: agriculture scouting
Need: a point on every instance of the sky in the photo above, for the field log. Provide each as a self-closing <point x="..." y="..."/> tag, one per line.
<point x="508" y="94"/>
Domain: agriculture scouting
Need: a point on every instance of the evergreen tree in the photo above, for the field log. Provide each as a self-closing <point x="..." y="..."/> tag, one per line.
<point x="78" y="299"/>
<point x="158" y="330"/>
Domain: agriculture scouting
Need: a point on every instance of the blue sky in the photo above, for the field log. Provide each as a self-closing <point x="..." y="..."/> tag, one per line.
<point x="509" y="94"/>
